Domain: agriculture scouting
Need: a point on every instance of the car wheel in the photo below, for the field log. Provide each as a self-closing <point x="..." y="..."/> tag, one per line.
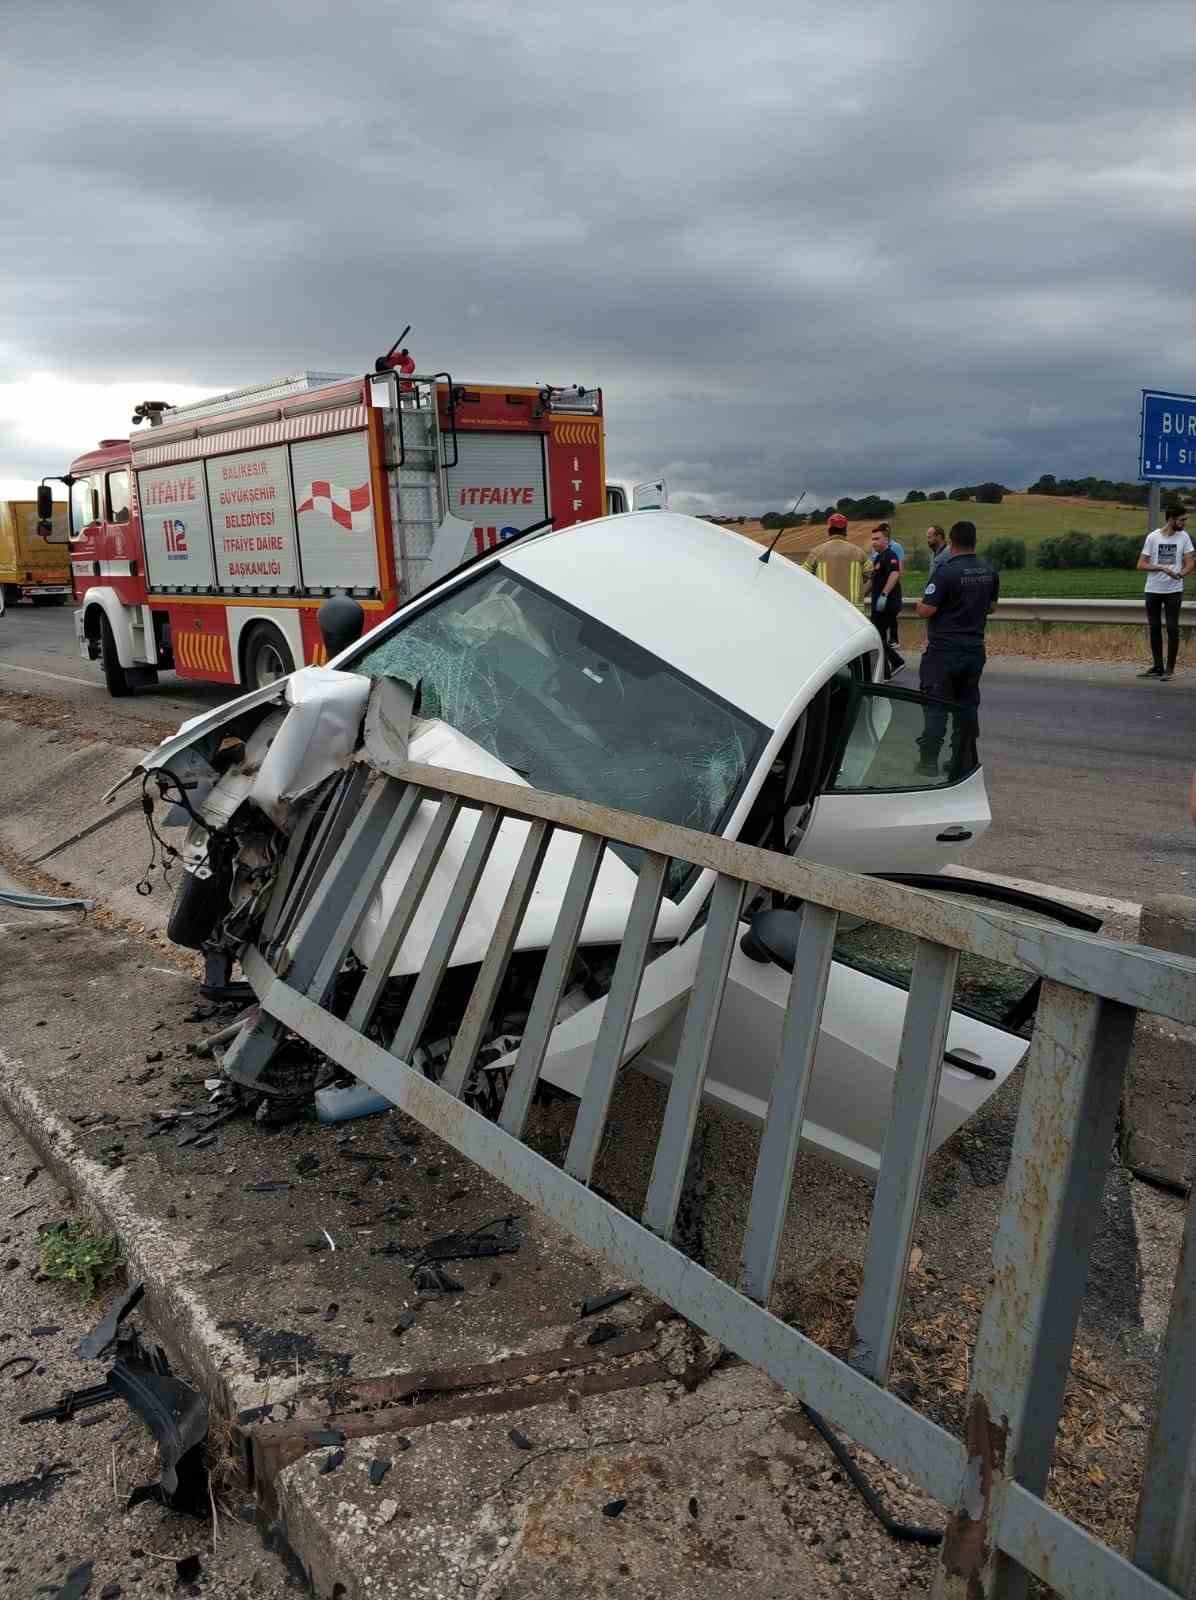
<point x="115" y="675"/>
<point x="200" y="900"/>
<point x="267" y="657"/>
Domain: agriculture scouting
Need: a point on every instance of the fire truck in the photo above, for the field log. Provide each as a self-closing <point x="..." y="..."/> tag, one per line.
<point x="206" y="543"/>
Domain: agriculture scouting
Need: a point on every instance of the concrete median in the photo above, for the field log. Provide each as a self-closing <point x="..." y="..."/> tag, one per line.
<point x="53" y="816"/>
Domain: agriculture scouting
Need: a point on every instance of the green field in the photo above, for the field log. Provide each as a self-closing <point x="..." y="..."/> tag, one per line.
<point x="1074" y="583"/>
<point x="1032" y="517"/>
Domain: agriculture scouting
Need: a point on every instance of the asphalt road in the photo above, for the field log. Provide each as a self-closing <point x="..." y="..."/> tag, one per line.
<point x="1087" y="767"/>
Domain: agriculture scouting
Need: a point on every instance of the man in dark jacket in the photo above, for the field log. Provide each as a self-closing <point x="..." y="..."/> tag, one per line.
<point x="885" y="597"/>
<point x="956" y="602"/>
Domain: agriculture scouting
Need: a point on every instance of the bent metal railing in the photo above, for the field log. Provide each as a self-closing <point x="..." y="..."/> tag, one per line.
<point x="999" y="1528"/>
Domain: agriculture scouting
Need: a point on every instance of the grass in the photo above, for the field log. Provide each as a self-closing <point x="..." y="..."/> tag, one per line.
<point x="1072" y="583"/>
<point x="1032" y="517"/>
<point x="76" y="1254"/>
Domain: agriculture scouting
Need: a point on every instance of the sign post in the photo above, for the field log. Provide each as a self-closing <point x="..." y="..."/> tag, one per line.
<point x="1167" y="445"/>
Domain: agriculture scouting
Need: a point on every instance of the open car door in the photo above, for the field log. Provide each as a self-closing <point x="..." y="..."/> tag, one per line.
<point x="883" y="808"/>
<point x="650" y="496"/>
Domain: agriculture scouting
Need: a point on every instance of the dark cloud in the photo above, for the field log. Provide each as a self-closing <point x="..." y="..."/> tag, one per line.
<point x="847" y="248"/>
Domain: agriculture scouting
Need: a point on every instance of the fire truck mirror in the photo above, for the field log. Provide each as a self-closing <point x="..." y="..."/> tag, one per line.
<point x="45" y="508"/>
<point x="341" y="622"/>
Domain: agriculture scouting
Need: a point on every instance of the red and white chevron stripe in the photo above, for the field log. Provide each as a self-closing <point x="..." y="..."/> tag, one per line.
<point x="350" y="508"/>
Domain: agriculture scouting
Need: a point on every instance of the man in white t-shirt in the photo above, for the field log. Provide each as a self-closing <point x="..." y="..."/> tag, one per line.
<point x="1167" y="557"/>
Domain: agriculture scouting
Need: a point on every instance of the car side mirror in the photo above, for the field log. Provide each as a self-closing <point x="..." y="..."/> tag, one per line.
<point x="45" y="509"/>
<point x="342" y="622"/>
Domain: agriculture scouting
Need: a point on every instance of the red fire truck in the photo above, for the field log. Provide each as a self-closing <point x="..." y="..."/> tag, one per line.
<point x="206" y="544"/>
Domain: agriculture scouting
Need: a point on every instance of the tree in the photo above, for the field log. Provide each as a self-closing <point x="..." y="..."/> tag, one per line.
<point x="937" y="494"/>
<point x="1045" y="485"/>
<point x="990" y="494"/>
<point x="960" y="494"/>
<point x="1006" y="554"/>
<point x="915" y="497"/>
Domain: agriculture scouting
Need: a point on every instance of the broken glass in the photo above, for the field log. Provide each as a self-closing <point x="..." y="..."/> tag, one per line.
<point x="572" y="706"/>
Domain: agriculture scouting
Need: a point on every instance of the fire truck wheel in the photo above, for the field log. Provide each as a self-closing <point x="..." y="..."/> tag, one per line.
<point x="115" y="675"/>
<point x="267" y="656"/>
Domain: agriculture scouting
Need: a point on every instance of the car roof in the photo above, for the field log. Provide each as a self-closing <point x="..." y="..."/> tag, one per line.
<point x="761" y="634"/>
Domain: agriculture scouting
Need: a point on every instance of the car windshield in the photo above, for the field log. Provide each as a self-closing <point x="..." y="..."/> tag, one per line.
<point x="573" y="706"/>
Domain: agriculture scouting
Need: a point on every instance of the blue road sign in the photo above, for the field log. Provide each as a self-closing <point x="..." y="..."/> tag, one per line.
<point x="1168" y="437"/>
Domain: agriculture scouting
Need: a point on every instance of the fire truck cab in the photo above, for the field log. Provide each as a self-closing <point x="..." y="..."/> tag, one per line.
<point x="206" y="543"/>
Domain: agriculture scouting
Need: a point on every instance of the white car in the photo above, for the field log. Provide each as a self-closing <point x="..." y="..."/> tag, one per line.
<point x="656" y="664"/>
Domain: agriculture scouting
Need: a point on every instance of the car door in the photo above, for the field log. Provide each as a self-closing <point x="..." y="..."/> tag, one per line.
<point x="877" y="812"/>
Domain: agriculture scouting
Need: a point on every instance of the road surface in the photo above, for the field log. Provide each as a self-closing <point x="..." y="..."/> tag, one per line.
<point x="1087" y="767"/>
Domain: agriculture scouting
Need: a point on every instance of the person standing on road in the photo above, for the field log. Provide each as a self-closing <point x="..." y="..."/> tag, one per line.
<point x="936" y="543"/>
<point x="839" y="564"/>
<point x="885" y="598"/>
<point x="956" y="602"/>
<point x="1167" y="558"/>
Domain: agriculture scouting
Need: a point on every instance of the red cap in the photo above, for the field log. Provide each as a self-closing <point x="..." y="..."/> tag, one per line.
<point x="837" y="520"/>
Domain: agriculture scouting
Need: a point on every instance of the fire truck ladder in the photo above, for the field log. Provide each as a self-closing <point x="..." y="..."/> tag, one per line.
<point x="422" y="453"/>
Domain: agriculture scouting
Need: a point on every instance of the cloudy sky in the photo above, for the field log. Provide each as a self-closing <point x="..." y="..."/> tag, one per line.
<point x="843" y="247"/>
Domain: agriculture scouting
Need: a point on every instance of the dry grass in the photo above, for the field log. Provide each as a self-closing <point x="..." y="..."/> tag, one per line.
<point x="1062" y="641"/>
<point x="1100" y="1443"/>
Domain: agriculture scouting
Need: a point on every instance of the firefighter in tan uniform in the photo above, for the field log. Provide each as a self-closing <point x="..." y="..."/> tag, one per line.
<point x="837" y="563"/>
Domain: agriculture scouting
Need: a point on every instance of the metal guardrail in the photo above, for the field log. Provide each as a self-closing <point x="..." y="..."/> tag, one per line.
<point x="993" y="1480"/>
<point x="1014" y="609"/>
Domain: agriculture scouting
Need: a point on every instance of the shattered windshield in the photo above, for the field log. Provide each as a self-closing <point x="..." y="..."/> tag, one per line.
<point x="572" y="706"/>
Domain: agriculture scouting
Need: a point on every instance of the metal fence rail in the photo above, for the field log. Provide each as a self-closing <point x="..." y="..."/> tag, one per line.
<point x="999" y="1529"/>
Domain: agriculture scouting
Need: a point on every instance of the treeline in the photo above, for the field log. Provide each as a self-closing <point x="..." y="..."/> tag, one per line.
<point x="1130" y="494"/>
<point x="988" y="494"/>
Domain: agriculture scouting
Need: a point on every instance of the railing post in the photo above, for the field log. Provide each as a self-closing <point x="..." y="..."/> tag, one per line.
<point x="903" y="1159"/>
<point x="1049" y="1214"/>
<point x="1166" y="1542"/>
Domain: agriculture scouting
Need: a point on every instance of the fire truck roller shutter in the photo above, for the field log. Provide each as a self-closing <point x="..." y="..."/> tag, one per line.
<point x="498" y="484"/>
<point x="334" y="510"/>
<point x="175" y="526"/>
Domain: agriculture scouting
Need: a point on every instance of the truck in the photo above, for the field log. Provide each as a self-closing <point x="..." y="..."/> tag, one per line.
<point x="205" y="543"/>
<point x="33" y="565"/>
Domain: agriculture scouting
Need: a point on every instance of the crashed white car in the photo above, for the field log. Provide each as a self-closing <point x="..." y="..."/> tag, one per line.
<point x="656" y="664"/>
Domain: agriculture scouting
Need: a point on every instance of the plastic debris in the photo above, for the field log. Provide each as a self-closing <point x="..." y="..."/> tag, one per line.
<point x="603" y="1302"/>
<point x="520" y="1440"/>
<point x="93" y="1344"/>
<point x="379" y="1467"/>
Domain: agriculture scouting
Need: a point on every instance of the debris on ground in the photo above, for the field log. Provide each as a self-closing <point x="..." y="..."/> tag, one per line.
<point x="187" y="1569"/>
<point x="41" y="1484"/>
<point x="174" y="1412"/>
<point x="94" y="1344"/>
<point x="603" y="1302"/>
<point x="77" y="1584"/>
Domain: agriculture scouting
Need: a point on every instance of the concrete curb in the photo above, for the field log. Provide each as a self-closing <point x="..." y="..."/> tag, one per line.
<point x="179" y="1315"/>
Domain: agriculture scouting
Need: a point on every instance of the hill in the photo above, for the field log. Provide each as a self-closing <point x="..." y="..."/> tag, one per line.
<point x="1032" y="517"/>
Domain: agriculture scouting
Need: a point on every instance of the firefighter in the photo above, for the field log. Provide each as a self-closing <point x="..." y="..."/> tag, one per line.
<point x="839" y="564"/>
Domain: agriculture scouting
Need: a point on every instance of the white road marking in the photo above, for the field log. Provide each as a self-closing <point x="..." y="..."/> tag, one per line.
<point x="60" y="677"/>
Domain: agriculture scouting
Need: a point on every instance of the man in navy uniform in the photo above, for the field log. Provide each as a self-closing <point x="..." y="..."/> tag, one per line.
<point x="956" y="602"/>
